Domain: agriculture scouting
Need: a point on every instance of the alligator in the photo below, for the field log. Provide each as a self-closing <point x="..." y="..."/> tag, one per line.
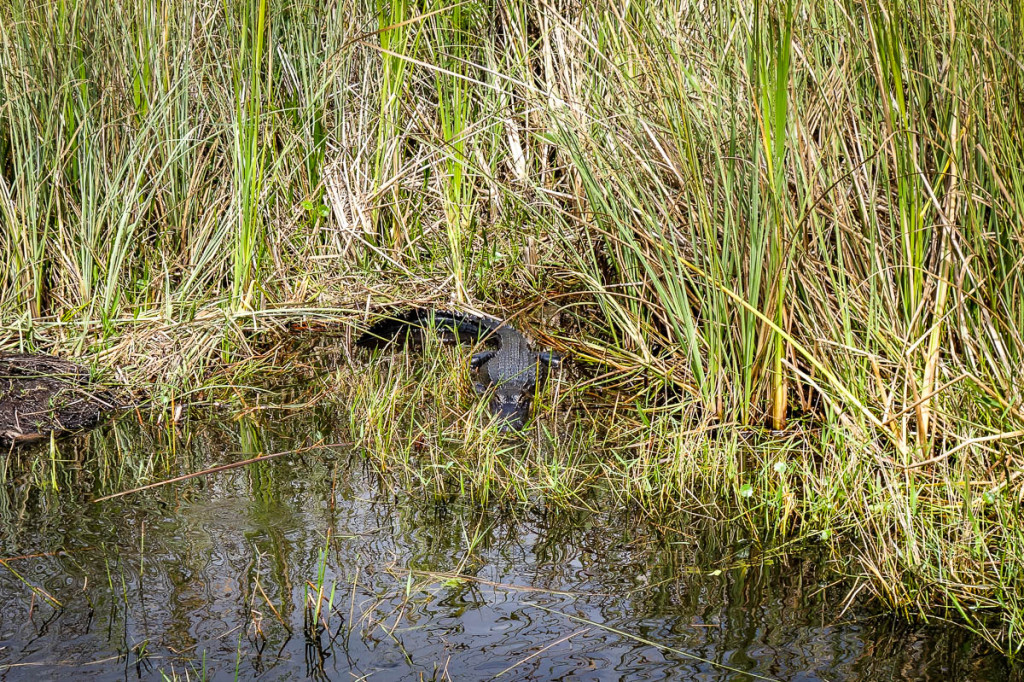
<point x="510" y="372"/>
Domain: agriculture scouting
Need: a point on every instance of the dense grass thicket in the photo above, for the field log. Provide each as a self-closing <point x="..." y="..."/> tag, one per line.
<point x="803" y="222"/>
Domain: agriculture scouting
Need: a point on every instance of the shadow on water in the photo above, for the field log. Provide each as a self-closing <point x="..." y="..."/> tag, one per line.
<point x="310" y="566"/>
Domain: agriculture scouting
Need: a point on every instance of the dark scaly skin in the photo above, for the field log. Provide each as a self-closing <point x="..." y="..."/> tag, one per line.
<point x="511" y="370"/>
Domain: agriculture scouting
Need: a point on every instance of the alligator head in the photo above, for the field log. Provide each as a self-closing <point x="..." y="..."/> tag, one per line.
<point x="511" y="391"/>
<point x="510" y="403"/>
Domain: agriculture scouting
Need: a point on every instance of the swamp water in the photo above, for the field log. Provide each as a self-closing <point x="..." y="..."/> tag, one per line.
<point x="311" y="566"/>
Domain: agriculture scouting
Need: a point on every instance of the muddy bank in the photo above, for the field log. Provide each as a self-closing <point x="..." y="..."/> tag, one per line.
<point x="42" y="394"/>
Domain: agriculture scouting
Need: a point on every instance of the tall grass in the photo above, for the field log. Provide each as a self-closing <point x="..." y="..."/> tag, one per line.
<point x="797" y="216"/>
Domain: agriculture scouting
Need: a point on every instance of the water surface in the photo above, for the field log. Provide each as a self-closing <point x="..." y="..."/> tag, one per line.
<point x="313" y="566"/>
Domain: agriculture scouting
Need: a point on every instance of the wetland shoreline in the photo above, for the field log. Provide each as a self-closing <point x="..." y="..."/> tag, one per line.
<point x="781" y="245"/>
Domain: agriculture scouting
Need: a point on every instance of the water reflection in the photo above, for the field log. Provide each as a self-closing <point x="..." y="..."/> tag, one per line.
<point x="312" y="566"/>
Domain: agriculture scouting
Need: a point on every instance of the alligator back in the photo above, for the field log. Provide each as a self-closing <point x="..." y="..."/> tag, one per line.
<point x="399" y="326"/>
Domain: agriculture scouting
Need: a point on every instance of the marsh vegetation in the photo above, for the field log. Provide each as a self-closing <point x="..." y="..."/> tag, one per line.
<point x="780" y="243"/>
